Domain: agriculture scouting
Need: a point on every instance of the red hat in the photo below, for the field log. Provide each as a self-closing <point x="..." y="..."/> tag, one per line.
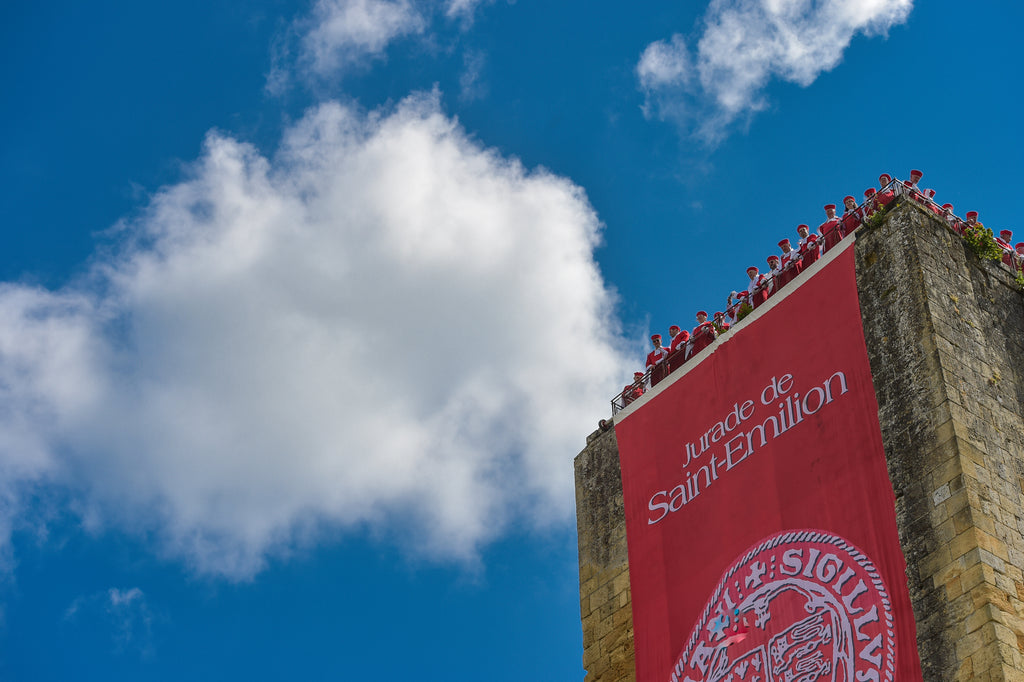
<point x="701" y="312"/>
<point x="830" y="206"/>
<point x="655" y="336"/>
<point x="801" y="225"/>
<point x="637" y="375"/>
<point x="869" y="192"/>
<point x="949" y="206"/>
<point x="971" y="214"/>
<point x="918" y="173"/>
<point x="1020" y="248"/>
<point x="783" y="243"/>
<point x="752" y="267"/>
<point x="888" y="178"/>
<point x="719" y="314"/>
<point x="675" y="326"/>
<point x="773" y="257"/>
<point x="848" y="197"/>
<point x="1006" y="235"/>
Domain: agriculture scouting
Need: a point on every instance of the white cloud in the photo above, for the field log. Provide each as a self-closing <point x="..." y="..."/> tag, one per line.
<point x="471" y="82"/>
<point x="341" y="35"/>
<point x="125" y="611"/>
<point x="745" y="44"/>
<point x="385" y="326"/>
<point x="665" y="63"/>
<point x="462" y="8"/>
<point x="343" y="32"/>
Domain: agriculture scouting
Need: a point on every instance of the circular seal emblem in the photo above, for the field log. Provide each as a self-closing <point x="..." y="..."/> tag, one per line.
<point x="799" y="606"/>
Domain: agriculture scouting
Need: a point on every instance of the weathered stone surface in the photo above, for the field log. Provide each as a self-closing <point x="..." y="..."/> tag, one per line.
<point x="605" y="605"/>
<point x="945" y="338"/>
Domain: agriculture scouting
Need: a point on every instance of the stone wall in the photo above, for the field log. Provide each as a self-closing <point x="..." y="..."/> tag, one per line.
<point x="605" y="607"/>
<point x="945" y="337"/>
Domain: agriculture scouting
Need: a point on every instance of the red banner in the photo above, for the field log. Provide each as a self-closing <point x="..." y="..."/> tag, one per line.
<point x="759" y="514"/>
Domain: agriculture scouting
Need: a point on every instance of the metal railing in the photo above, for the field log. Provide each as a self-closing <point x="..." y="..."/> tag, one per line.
<point x="880" y="203"/>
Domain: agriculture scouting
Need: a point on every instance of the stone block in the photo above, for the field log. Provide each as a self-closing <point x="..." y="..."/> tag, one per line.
<point x="987" y="593"/>
<point x="988" y="660"/>
<point x="965" y="670"/>
<point x="935" y="561"/>
<point x="607" y="610"/>
<point x="963" y="543"/>
<point x="980" y="617"/>
<point x="971" y="643"/>
<point x="1005" y="634"/>
<point x="621" y="583"/>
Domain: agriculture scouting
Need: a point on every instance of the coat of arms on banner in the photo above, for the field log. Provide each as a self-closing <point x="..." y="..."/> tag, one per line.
<point x="800" y="606"/>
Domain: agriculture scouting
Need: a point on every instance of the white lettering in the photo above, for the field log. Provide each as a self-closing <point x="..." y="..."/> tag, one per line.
<point x="729" y="450"/>
<point x="678" y="498"/>
<point x="815" y="553"/>
<point x="869" y="617"/>
<point x="764" y="436"/>
<point x="850" y="598"/>
<point x="773" y="386"/>
<point x="873" y="646"/>
<point x="791" y="558"/>
<point x="661" y="505"/>
<point x="827" y="572"/>
<point x="828" y="385"/>
<point x="821" y="400"/>
<point x="847" y="574"/>
<point x="735" y="413"/>
<point x="791" y="410"/>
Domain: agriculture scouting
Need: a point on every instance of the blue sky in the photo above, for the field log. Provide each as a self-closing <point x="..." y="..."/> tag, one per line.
<point x="307" y="307"/>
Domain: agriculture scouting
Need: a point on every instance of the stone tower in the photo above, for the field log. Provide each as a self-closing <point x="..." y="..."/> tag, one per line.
<point x="945" y="337"/>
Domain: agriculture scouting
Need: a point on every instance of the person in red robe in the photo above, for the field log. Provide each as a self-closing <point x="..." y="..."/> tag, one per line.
<point x="1005" y="240"/>
<point x="676" y="349"/>
<point x="915" y="178"/>
<point x="808" y="246"/>
<point x="1019" y="248"/>
<point x="733" y="303"/>
<point x="870" y="206"/>
<point x="911" y="191"/>
<point x="721" y="326"/>
<point x="929" y="194"/>
<point x="757" y="289"/>
<point x="830" y="230"/>
<point x="852" y="215"/>
<point x="790" y="265"/>
<point x="634" y="390"/>
<point x="951" y="219"/>
<point x="655" y="358"/>
<point x="886" y="195"/>
<point x="658" y="354"/>
<point x="774" y="270"/>
<point x="679" y="337"/>
<point x="742" y="298"/>
<point x="703" y="334"/>
<point x="972" y="219"/>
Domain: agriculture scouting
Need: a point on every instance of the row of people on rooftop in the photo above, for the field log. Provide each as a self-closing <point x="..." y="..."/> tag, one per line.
<point x="783" y="268"/>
